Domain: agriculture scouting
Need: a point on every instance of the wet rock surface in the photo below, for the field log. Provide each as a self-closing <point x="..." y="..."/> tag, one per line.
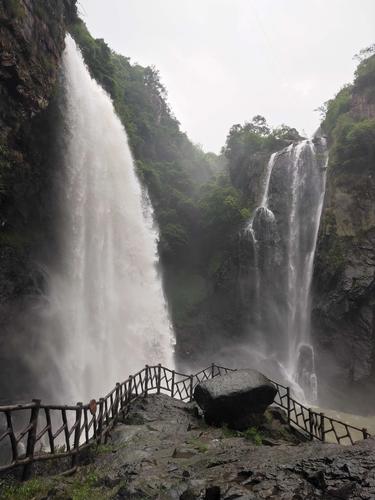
<point x="164" y="451"/>
<point x="343" y="318"/>
<point x="238" y="398"/>
<point x="32" y="37"/>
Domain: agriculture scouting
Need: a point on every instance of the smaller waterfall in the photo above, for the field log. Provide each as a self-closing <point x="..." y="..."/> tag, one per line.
<point x="270" y="164"/>
<point x="284" y="248"/>
<point x="250" y="235"/>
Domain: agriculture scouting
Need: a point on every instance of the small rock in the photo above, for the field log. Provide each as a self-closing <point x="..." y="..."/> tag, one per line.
<point x="183" y="453"/>
<point x="188" y="495"/>
<point x="212" y="493"/>
<point x="244" y="474"/>
<point x="345" y="492"/>
<point x="111" y="482"/>
<point x="172" y="468"/>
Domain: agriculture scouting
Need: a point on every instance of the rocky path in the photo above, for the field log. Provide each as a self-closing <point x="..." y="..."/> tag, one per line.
<point x="164" y="451"/>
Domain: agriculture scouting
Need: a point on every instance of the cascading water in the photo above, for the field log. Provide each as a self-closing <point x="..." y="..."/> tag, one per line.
<point x="106" y="297"/>
<point x="284" y="230"/>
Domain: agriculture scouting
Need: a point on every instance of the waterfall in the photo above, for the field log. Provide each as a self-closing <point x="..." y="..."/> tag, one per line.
<point x="284" y="231"/>
<point x="105" y="296"/>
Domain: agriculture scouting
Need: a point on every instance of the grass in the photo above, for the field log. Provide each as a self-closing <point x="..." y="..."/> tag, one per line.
<point x="199" y="445"/>
<point x="25" y="491"/>
<point x="251" y="434"/>
<point x="83" y="489"/>
<point x="104" y="448"/>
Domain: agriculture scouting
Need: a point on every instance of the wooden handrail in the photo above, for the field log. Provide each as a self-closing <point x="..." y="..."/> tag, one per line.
<point x="65" y="430"/>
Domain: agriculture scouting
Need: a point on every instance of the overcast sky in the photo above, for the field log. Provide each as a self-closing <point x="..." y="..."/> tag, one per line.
<point x="224" y="61"/>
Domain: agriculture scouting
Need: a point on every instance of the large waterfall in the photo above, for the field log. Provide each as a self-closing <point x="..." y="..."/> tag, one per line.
<point x="281" y="238"/>
<point x="106" y="298"/>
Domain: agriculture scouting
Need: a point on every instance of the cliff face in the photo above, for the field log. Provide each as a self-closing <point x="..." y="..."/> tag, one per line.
<point x="344" y="281"/>
<point x="32" y="36"/>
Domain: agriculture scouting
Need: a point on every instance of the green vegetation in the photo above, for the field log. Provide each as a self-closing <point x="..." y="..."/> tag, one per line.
<point x="251" y="434"/>
<point x="354" y="142"/>
<point x="24" y="491"/>
<point x="104" y="448"/>
<point x="15" y="8"/>
<point x="256" y="137"/>
<point x="199" y="445"/>
<point x="221" y="208"/>
<point x="348" y="121"/>
<point x="365" y="72"/>
<point x="332" y="109"/>
<point x="86" y="488"/>
<point x="80" y="487"/>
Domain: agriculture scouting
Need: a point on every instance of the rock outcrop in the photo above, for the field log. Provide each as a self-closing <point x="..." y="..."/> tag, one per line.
<point x="32" y="34"/>
<point x="343" y="316"/>
<point x="31" y="42"/>
<point x="237" y="399"/>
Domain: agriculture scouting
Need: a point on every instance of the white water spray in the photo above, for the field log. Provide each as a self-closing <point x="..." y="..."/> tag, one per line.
<point x="107" y="296"/>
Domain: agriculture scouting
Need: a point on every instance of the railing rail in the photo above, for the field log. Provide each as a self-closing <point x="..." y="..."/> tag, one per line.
<point x="35" y="432"/>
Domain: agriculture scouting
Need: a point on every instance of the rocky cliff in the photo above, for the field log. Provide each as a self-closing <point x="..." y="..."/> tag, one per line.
<point x="344" y="281"/>
<point x="32" y="36"/>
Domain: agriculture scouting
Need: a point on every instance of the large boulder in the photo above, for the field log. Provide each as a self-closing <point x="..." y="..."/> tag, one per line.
<point x="237" y="399"/>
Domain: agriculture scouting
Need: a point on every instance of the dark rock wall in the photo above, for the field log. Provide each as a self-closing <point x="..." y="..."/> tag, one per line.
<point x="344" y="277"/>
<point x="32" y="36"/>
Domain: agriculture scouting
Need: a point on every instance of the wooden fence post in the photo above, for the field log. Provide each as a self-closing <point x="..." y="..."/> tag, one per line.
<point x="322" y="430"/>
<point x="191" y="387"/>
<point x="146" y="381"/>
<point x="172" y="384"/>
<point x="130" y="388"/>
<point x="364" y="432"/>
<point x="50" y="433"/>
<point x="100" y="420"/>
<point x="159" y="378"/>
<point x="77" y="434"/>
<point x="31" y="438"/>
<point x="117" y="402"/>
<point x="311" y="430"/>
<point x="288" y="403"/>
<point x="212" y="370"/>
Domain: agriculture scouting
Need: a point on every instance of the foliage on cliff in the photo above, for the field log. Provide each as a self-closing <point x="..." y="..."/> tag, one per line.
<point x="256" y="136"/>
<point x="344" y="265"/>
<point x="349" y="118"/>
<point x="196" y="207"/>
<point x="248" y="148"/>
<point x="171" y="166"/>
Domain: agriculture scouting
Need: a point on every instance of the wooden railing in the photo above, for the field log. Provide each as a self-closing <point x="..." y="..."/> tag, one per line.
<point x="317" y="425"/>
<point x="35" y="432"/>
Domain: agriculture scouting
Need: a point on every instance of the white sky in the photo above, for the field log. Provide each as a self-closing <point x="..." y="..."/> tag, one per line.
<point x="224" y="61"/>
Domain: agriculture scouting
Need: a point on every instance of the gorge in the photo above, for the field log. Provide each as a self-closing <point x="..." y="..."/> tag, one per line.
<point x="247" y="270"/>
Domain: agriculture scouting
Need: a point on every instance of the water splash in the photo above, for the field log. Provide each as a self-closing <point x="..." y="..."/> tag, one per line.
<point x="106" y="296"/>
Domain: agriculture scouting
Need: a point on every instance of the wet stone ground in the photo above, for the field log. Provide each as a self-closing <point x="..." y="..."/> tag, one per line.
<point x="165" y="451"/>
